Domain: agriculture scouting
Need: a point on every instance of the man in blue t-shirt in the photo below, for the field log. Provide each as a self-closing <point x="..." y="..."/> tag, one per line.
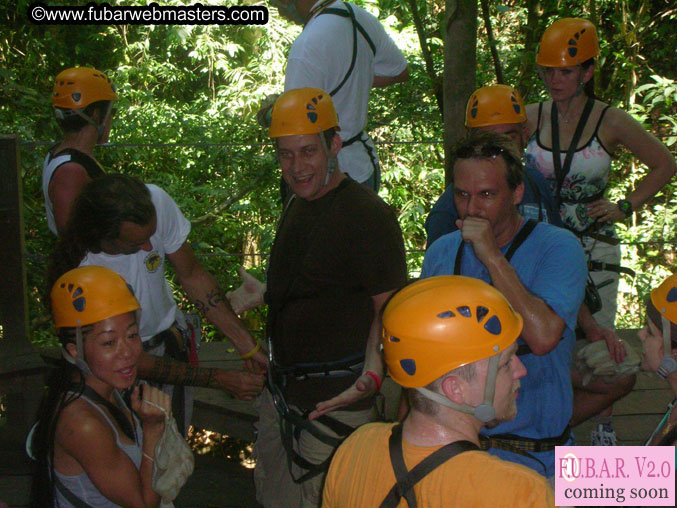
<point x="497" y="108"/>
<point x="541" y="271"/>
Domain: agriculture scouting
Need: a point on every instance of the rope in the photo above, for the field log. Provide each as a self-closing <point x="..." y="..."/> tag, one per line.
<point x="33" y="144"/>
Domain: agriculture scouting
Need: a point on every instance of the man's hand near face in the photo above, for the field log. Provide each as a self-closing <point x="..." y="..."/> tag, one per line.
<point x="479" y="233"/>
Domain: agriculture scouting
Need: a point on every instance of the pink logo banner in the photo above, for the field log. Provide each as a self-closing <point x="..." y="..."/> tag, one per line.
<point x="615" y="476"/>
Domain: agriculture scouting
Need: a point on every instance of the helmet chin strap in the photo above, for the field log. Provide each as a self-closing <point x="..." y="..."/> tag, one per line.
<point x="485" y="412"/>
<point x="332" y="162"/>
<point x="100" y="127"/>
<point x="79" y="362"/>
<point x="668" y="364"/>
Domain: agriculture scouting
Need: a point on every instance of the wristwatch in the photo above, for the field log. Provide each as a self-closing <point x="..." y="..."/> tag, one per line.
<point x="625" y="206"/>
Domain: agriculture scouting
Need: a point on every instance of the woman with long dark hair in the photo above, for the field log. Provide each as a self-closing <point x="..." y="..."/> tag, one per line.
<point x="574" y="139"/>
<point x="91" y="450"/>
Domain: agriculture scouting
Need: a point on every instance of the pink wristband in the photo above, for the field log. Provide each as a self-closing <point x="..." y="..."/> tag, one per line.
<point x="376" y="379"/>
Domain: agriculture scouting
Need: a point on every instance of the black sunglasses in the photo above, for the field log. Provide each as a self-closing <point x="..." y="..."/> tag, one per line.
<point x="484" y="151"/>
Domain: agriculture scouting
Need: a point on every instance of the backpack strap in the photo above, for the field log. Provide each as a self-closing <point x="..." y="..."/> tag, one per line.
<point x="404" y="488"/>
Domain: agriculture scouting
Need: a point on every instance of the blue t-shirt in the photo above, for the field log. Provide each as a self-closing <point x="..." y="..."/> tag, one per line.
<point x="537" y="204"/>
<point x="551" y="265"/>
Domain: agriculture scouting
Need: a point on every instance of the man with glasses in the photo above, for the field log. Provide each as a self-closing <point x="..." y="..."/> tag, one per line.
<point x="541" y="271"/>
<point x="83" y="105"/>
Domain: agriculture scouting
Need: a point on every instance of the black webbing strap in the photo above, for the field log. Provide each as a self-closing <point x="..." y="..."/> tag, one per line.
<point x="69" y="494"/>
<point x="600" y="266"/>
<point x="118" y="414"/>
<point x="561" y="171"/>
<point x="517" y="241"/>
<point x="404" y="488"/>
<point x="356" y="26"/>
<point x="92" y="167"/>
<point x="291" y="426"/>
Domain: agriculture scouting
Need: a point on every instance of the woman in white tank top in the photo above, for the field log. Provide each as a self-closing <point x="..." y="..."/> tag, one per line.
<point x="90" y="449"/>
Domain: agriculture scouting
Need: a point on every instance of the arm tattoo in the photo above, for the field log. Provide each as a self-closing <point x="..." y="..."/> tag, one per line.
<point x="166" y="370"/>
<point x="214" y="297"/>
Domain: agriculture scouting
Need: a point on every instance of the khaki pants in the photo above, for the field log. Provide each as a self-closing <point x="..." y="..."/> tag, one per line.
<point x="275" y="487"/>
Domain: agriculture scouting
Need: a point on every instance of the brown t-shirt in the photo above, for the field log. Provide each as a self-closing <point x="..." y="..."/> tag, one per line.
<point x="329" y="257"/>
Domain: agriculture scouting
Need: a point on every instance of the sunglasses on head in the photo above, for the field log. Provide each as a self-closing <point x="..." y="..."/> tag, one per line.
<point x="484" y="151"/>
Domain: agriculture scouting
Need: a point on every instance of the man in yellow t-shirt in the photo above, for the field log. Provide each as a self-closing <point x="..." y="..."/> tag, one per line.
<point x="450" y="342"/>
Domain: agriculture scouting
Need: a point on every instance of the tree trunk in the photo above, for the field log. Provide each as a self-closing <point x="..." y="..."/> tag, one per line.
<point x="460" y="61"/>
<point x="529" y="59"/>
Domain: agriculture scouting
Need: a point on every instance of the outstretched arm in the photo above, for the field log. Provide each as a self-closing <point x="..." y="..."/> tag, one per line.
<point x="239" y="383"/>
<point x="365" y="386"/>
<point x="204" y="292"/>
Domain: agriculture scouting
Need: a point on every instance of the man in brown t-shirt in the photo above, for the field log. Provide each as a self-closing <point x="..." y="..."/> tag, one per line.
<point x="338" y="255"/>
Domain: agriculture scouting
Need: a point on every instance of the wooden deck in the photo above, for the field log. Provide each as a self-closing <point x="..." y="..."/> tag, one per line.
<point x="634" y="419"/>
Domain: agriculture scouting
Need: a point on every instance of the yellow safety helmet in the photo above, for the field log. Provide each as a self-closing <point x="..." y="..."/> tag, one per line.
<point x="438" y="324"/>
<point x="568" y="42"/>
<point x="494" y="105"/>
<point x="90" y="294"/>
<point x="78" y="87"/>
<point x="302" y="111"/>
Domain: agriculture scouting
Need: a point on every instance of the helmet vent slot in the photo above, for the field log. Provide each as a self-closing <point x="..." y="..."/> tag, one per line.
<point x="446" y="314"/>
<point x="464" y="311"/>
<point x="408" y="366"/>
<point x="493" y="325"/>
<point x="672" y="295"/>
<point x="392" y="338"/>
<point x="480" y="313"/>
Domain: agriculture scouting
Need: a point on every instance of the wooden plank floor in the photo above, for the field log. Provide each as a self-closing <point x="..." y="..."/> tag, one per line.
<point x="634" y="419"/>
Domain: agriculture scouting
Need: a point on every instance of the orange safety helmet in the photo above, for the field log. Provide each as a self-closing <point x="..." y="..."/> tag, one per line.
<point x="302" y="111"/>
<point x="568" y="42"/>
<point x="89" y="294"/>
<point x="664" y="298"/>
<point x="494" y="105"/>
<point x="662" y="310"/>
<point x="440" y="323"/>
<point x="78" y="87"/>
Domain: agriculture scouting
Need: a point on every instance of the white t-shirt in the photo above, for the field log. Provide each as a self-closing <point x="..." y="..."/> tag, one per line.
<point x="320" y="58"/>
<point x="145" y="271"/>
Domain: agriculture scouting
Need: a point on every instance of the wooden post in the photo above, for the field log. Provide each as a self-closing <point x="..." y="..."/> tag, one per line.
<point x="21" y="368"/>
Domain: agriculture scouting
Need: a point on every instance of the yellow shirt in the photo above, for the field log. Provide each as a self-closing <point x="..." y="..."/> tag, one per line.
<point x="361" y="475"/>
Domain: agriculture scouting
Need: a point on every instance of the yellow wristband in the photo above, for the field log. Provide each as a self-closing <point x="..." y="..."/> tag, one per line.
<point x="256" y="349"/>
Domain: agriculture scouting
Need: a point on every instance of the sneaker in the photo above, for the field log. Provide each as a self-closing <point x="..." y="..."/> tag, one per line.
<point x="603" y="436"/>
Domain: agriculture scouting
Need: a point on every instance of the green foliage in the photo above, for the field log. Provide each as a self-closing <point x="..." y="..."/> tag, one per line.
<point x="189" y="94"/>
